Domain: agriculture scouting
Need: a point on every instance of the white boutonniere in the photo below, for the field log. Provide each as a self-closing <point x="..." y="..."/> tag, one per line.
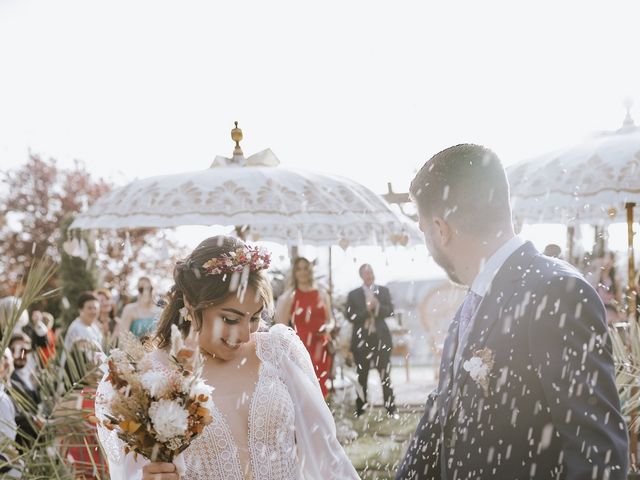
<point x="479" y="367"/>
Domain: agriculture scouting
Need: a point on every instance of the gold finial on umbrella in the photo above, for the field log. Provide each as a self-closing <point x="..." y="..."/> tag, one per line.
<point x="236" y="136"/>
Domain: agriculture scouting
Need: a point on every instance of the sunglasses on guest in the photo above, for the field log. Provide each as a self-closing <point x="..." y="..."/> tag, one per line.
<point x="18" y="352"/>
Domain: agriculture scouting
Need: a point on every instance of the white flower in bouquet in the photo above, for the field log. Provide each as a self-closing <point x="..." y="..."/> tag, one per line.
<point x="200" y="388"/>
<point x="146" y="363"/>
<point x="156" y="382"/>
<point x="161" y="402"/>
<point x="169" y="419"/>
<point x="121" y="360"/>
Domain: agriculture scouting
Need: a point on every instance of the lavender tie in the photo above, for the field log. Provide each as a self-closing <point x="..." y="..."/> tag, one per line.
<point x="467" y="312"/>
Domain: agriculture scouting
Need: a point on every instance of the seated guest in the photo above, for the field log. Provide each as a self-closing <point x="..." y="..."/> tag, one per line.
<point x="24" y="388"/>
<point x="7" y="306"/>
<point x="37" y="331"/>
<point x="49" y="351"/>
<point x="86" y="326"/>
<point x="8" y="427"/>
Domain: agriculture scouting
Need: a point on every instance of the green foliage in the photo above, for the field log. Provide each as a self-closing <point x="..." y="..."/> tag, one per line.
<point x="60" y="423"/>
<point x="35" y="291"/>
<point x="381" y="442"/>
<point x="626" y="353"/>
<point x="34" y="199"/>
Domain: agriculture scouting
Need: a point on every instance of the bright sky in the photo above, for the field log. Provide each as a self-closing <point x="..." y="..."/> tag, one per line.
<point x="360" y="88"/>
<point x="364" y="89"/>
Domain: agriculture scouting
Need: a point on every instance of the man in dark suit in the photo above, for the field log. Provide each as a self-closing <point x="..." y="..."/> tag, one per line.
<point x="527" y="385"/>
<point x="24" y="389"/>
<point x="367" y="308"/>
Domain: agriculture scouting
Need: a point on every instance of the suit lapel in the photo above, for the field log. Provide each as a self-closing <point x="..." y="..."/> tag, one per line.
<point x="446" y="365"/>
<point x="502" y="288"/>
<point x="360" y="296"/>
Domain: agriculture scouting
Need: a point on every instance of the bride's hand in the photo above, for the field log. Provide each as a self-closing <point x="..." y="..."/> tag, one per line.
<point x="160" y="471"/>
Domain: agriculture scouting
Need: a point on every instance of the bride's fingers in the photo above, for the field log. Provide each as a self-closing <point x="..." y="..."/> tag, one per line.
<point x="160" y="471"/>
<point x="159" y="467"/>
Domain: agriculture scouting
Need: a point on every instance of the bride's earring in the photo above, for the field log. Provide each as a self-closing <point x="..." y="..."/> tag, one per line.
<point x="185" y="316"/>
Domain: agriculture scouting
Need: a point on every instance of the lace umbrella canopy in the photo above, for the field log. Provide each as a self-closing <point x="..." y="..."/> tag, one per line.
<point x="278" y="204"/>
<point x="596" y="182"/>
<point x="587" y="183"/>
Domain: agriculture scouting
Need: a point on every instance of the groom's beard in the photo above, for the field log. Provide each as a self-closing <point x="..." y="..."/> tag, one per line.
<point x="444" y="263"/>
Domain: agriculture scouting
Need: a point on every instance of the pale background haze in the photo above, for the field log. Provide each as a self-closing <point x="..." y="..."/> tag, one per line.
<point x="364" y="89"/>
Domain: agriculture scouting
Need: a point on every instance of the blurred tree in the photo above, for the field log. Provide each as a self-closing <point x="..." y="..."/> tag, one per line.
<point x="36" y="200"/>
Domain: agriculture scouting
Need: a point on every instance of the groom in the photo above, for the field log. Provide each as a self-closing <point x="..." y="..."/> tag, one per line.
<point x="526" y="385"/>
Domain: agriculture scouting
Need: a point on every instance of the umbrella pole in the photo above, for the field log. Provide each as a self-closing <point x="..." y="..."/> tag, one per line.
<point x="330" y="274"/>
<point x="571" y="230"/>
<point x="294" y="253"/>
<point x="631" y="299"/>
<point x="631" y="310"/>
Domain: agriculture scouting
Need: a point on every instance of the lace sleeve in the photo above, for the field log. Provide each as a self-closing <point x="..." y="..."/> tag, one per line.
<point x="121" y="466"/>
<point x="293" y="350"/>
<point x="320" y="455"/>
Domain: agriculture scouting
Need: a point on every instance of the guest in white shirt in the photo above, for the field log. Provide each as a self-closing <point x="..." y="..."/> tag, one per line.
<point x="86" y="327"/>
<point x="8" y="427"/>
<point x="7" y="410"/>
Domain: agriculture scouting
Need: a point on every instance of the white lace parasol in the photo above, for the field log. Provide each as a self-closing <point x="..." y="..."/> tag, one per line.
<point x="279" y="204"/>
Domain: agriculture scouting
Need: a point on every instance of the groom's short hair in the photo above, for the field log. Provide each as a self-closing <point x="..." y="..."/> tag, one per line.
<point x="467" y="186"/>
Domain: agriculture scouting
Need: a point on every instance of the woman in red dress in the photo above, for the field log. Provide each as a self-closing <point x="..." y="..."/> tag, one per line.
<point x="307" y="309"/>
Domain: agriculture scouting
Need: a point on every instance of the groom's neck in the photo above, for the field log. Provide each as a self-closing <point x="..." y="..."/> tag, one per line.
<point x="477" y="254"/>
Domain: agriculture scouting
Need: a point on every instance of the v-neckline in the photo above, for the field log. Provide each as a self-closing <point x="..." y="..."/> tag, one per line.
<point x="224" y="424"/>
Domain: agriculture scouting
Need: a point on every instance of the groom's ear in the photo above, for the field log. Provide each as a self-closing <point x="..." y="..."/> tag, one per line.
<point x="442" y="230"/>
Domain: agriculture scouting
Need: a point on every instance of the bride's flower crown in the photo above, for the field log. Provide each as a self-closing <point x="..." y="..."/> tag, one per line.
<point x="253" y="257"/>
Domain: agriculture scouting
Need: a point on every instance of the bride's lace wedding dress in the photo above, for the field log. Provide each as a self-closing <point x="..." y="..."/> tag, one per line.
<point x="292" y="434"/>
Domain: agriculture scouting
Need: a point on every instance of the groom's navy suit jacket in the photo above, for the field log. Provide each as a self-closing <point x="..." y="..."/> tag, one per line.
<point x="552" y="408"/>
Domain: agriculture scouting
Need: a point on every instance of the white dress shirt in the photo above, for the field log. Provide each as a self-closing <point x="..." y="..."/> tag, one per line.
<point x="8" y="426"/>
<point x="482" y="282"/>
<point x="369" y="295"/>
<point x="485" y="276"/>
<point x="78" y="330"/>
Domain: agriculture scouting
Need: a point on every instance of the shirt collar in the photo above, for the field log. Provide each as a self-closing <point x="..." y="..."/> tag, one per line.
<point x="485" y="276"/>
<point x="24" y="375"/>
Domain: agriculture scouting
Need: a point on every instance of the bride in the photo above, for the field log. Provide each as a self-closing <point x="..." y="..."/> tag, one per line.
<point x="269" y="417"/>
